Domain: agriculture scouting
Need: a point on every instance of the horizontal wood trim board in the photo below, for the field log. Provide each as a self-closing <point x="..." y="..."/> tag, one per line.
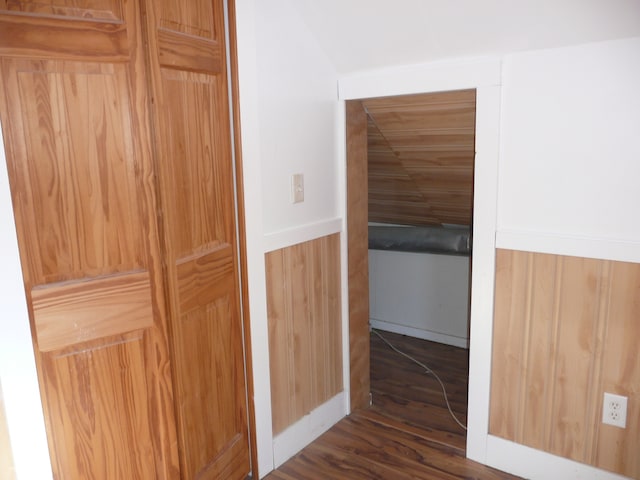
<point x="41" y="37"/>
<point x="72" y="312"/>
<point x="184" y="52"/>
<point x="565" y="332"/>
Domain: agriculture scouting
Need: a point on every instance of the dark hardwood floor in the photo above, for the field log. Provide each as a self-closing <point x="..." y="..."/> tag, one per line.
<point x="407" y="433"/>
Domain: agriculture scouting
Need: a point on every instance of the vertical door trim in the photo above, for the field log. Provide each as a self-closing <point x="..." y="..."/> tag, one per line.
<point x="241" y="241"/>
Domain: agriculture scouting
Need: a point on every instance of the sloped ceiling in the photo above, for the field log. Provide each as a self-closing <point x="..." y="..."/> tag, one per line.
<point x="421" y="151"/>
<point x="367" y="34"/>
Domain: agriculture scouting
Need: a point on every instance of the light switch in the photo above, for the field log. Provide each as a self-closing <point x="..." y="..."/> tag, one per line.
<point x="297" y="188"/>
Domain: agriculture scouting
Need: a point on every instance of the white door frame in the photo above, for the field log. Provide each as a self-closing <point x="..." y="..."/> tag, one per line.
<point x="484" y="76"/>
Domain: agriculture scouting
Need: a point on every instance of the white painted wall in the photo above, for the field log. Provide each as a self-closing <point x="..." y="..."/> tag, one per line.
<point x="289" y="112"/>
<point x="424" y="295"/>
<point x="361" y="35"/>
<point x="297" y="104"/>
<point x="570" y="160"/>
<point x="17" y="363"/>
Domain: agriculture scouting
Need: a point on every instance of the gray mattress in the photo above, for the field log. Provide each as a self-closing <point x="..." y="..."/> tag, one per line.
<point x="441" y="240"/>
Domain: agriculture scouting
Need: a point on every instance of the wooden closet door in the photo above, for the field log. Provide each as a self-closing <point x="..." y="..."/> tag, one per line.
<point x="194" y="151"/>
<point x="75" y="114"/>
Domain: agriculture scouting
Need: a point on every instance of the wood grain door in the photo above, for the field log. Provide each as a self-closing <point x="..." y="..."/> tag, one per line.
<point x="194" y="152"/>
<point x="73" y="104"/>
<point x="126" y="225"/>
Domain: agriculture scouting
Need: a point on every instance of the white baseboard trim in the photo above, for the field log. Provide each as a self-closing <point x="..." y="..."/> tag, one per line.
<point x="303" y="233"/>
<point x="308" y="428"/>
<point x="535" y="464"/>
<point x="419" y="333"/>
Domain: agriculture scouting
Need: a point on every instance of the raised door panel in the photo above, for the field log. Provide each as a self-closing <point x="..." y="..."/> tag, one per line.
<point x="197" y="194"/>
<point x="99" y="419"/>
<point x="77" y="142"/>
<point x="75" y="183"/>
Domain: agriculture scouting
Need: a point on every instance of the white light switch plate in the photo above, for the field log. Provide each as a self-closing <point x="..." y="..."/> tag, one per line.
<point x="297" y="188"/>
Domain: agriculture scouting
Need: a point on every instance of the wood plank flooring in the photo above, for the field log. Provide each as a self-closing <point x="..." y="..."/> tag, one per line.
<point x="407" y="433"/>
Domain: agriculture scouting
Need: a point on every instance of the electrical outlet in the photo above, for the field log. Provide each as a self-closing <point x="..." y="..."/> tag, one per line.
<point x="614" y="410"/>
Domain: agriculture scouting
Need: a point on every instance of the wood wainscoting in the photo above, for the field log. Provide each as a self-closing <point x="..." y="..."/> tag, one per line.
<point x="304" y="310"/>
<point x="566" y="330"/>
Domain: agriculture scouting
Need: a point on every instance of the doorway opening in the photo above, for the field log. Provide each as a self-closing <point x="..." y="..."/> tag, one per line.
<point x="410" y="170"/>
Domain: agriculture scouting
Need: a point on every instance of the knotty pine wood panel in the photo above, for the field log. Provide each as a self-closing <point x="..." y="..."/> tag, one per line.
<point x="303" y="300"/>
<point x="418" y="118"/>
<point x="358" y="254"/>
<point x="427" y="100"/>
<point x="393" y="194"/>
<point x="6" y="460"/>
<point x="428" y="142"/>
<point x="565" y="331"/>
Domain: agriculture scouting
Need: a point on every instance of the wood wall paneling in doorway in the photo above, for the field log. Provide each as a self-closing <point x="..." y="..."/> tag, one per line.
<point x="304" y="314"/>
<point x="421" y="158"/>
<point x="565" y="332"/>
<point x="358" y="254"/>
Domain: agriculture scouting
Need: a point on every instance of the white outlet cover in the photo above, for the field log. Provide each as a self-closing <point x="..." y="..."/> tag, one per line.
<point x="614" y="410"/>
